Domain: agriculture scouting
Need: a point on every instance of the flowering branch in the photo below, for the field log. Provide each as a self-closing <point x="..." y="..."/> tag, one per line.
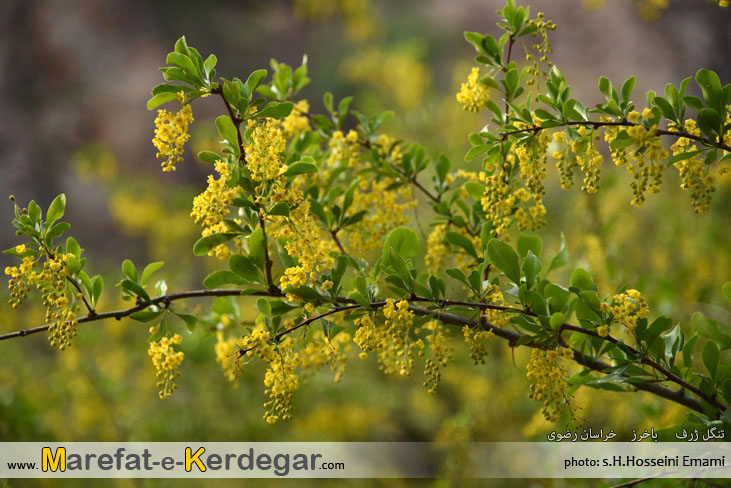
<point x="512" y="337"/>
<point x="675" y="133"/>
<point x="669" y="375"/>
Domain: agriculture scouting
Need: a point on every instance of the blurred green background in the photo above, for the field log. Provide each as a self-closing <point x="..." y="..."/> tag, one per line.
<point x="75" y="78"/>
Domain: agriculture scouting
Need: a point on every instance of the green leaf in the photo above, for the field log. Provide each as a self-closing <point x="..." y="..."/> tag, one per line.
<point x="582" y="279"/>
<point x="726" y="290"/>
<point x="627" y="87"/>
<point x="476" y="151"/>
<point x="168" y="88"/>
<point x="264" y="306"/>
<point x="208" y="156"/>
<point x="665" y="108"/>
<point x="300" y="167"/>
<point x="57" y="230"/>
<point x="399" y="266"/>
<point x="327" y="100"/>
<point x="360" y="299"/>
<point x="605" y="87"/>
<point x="183" y="61"/>
<point x="710" y="85"/>
<point x="709" y="121"/>
<point x="73" y="265"/>
<point x="557" y="319"/>
<point x="257" y="245"/>
<point x="190" y="320"/>
<point x="341" y="265"/>
<point x="275" y="110"/>
<point x="459" y="240"/>
<point x="457" y="274"/>
<point x="160" y="99"/>
<point x="56" y="209"/>
<point x="710" y="356"/>
<point x="97" y="286"/>
<point x="557" y="296"/>
<point x="685" y="155"/>
<point x="128" y="268"/>
<point x="442" y="167"/>
<point x="181" y="46"/>
<point x="403" y="240"/>
<point x="304" y="292"/>
<point x="711" y="329"/>
<point x="562" y="257"/>
<point x="531" y="268"/>
<point x="688" y="351"/>
<point x="205" y="244"/>
<point x="135" y="289"/>
<point x="85" y="281"/>
<point x="528" y="242"/>
<point x="145" y="315"/>
<point x="149" y="269"/>
<point x="504" y="258"/>
<point x="244" y="267"/>
<point x="73" y="247"/>
<point x="223" y="277"/>
<point x="475" y="189"/>
<point x="280" y="208"/>
<point x="34" y="212"/>
<point x="227" y="130"/>
<point x="253" y="81"/>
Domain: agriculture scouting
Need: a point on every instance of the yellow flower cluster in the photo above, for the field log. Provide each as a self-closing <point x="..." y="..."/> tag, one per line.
<point x="51" y="282"/>
<point x="695" y="176"/>
<point x="322" y="350"/>
<point x="297" y="122"/>
<point x="626" y="308"/>
<point x="391" y="341"/>
<point x="210" y="207"/>
<point x="388" y="149"/>
<point x="473" y="95"/>
<point x="171" y="134"/>
<point x="19" y="277"/>
<point x="532" y="158"/>
<point x="300" y="230"/>
<point x="386" y="211"/>
<point x="498" y="200"/>
<point x="306" y="245"/>
<point x="647" y="161"/>
<point x="588" y="159"/>
<point x="543" y="48"/>
<point x="564" y="163"/>
<point x="477" y="342"/>
<point x="436" y="251"/>
<point x="441" y="351"/>
<point x="548" y="378"/>
<point x="280" y="379"/>
<point x="227" y="355"/>
<point x="166" y="361"/>
<point x="264" y="154"/>
<point x="344" y="148"/>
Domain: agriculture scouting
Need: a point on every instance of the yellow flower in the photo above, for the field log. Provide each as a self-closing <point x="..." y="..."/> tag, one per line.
<point x="166" y="361"/>
<point x="473" y="95"/>
<point x="171" y="133"/>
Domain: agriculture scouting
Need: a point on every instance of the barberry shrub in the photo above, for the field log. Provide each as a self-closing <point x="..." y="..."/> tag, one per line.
<point x="307" y="214"/>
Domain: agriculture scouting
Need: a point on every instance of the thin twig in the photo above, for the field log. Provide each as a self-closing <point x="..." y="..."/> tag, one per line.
<point x="675" y="133"/>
